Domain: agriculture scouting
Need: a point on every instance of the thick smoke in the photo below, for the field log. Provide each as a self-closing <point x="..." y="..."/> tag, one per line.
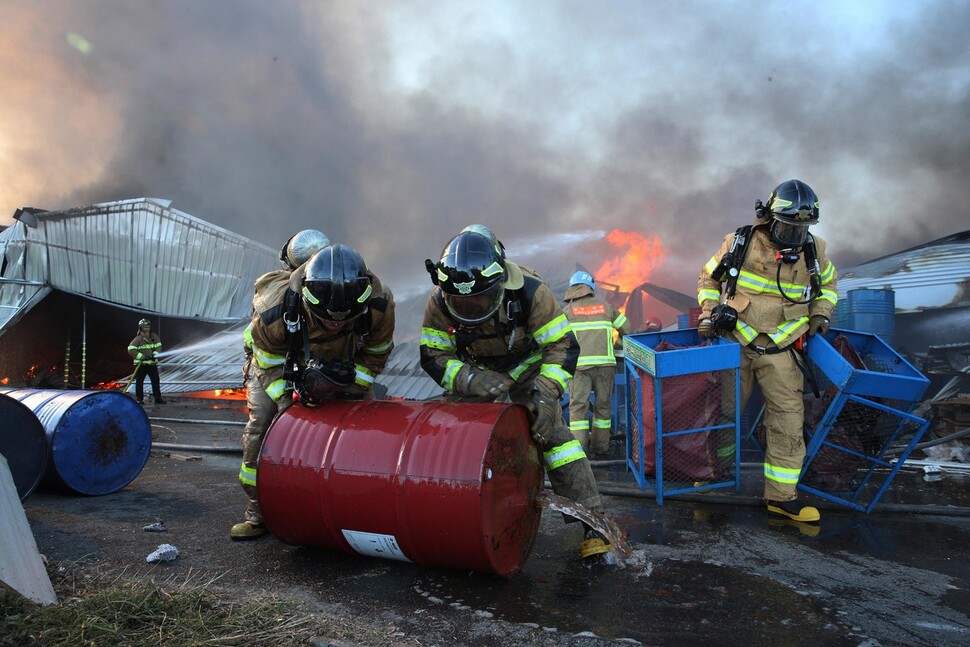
<point x="390" y="126"/>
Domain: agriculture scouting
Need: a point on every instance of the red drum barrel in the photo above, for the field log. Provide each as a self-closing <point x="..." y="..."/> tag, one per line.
<point x="434" y="483"/>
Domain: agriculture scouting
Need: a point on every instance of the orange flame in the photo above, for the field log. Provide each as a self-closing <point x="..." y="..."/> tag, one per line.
<point x="5" y="381"/>
<point x="639" y="256"/>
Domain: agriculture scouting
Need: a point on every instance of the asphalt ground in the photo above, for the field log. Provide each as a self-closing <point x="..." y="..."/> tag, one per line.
<point x="706" y="569"/>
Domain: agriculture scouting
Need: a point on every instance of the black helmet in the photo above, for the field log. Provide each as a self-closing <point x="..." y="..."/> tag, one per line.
<point x="144" y="323"/>
<point x="472" y="275"/>
<point x="793" y="206"/>
<point x="488" y="233"/>
<point x="336" y="285"/>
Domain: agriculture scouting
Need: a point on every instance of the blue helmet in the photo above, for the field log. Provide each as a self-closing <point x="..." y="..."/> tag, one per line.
<point x="582" y="278"/>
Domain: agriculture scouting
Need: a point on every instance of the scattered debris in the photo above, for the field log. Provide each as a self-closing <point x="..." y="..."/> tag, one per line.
<point x="164" y="553"/>
<point x="185" y="457"/>
<point x="158" y="526"/>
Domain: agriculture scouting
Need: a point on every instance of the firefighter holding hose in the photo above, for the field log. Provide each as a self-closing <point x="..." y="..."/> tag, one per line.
<point x="324" y="331"/>
<point x="144" y="350"/>
<point x="768" y="287"/>
<point x="491" y="333"/>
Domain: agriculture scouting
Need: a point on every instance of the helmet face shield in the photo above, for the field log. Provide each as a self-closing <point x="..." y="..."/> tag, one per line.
<point x="472" y="275"/>
<point x="788" y="235"/>
<point x="336" y="285"/>
<point x="475" y="309"/>
<point x="337" y="301"/>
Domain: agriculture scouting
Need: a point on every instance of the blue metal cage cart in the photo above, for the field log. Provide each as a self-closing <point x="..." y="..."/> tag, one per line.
<point x="867" y="394"/>
<point x="683" y="412"/>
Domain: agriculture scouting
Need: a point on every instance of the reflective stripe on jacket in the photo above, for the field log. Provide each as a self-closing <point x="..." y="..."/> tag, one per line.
<point x="143" y="349"/>
<point x="762" y="286"/>
<point x="593" y="322"/>
<point x="539" y="347"/>
<point x="270" y="343"/>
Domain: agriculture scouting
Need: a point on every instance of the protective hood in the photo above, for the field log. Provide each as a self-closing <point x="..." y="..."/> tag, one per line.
<point x="515" y="280"/>
<point x="578" y="291"/>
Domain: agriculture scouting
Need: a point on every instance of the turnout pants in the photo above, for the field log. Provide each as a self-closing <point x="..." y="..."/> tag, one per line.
<point x="262" y="410"/>
<point x="599" y="381"/>
<point x="151" y="371"/>
<point x="781" y="383"/>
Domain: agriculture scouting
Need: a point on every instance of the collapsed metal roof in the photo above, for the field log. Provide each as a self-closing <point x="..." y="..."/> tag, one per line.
<point x="933" y="275"/>
<point x="139" y="254"/>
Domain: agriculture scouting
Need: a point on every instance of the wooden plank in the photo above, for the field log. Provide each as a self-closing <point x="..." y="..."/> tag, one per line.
<point x="21" y="566"/>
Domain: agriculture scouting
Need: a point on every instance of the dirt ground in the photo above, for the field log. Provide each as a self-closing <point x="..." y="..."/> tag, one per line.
<point x="702" y="574"/>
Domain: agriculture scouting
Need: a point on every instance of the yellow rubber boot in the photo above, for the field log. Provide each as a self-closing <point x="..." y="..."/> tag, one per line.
<point x="247" y="530"/>
<point x="593" y="544"/>
<point x="794" y="510"/>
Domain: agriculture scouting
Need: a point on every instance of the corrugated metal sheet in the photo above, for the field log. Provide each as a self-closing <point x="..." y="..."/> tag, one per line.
<point x="216" y="363"/>
<point x="144" y="255"/>
<point x="934" y="275"/>
<point x="18" y="293"/>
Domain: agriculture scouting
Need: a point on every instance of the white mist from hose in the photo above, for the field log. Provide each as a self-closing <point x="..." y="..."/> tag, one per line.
<point x="194" y="348"/>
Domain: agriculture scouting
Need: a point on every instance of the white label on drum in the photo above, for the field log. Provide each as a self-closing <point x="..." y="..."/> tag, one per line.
<point x="374" y="545"/>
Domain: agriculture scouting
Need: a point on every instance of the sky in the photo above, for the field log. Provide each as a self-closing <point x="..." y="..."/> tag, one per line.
<point x="390" y="125"/>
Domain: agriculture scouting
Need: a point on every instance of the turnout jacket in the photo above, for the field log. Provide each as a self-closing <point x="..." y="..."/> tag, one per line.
<point x="528" y="338"/>
<point x="593" y="322"/>
<point x="366" y="341"/>
<point x="144" y="348"/>
<point x="758" y="299"/>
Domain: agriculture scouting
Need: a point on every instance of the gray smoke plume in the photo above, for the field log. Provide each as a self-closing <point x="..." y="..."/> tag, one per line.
<point x="390" y="126"/>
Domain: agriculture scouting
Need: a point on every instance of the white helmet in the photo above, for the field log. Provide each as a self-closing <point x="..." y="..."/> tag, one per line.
<point x="301" y="246"/>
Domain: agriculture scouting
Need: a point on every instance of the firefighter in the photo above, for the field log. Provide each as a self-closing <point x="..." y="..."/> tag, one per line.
<point x="491" y="333"/>
<point x="594" y="322"/>
<point x="144" y="350"/>
<point x="296" y="251"/>
<point x="769" y="286"/>
<point x="324" y="331"/>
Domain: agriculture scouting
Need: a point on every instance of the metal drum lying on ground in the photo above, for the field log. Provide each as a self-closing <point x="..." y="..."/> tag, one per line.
<point x="23" y="443"/>
<point x="434" y="483"/>
<point x="98" y="441"/>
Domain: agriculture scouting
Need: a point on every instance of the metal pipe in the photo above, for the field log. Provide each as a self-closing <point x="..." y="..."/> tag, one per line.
<point x="198" y="448"/>
<point x="84" y="345"/>
<point x="940" y="441"/>
<point x="199" y="421"/>
<point x="731" y="499"/>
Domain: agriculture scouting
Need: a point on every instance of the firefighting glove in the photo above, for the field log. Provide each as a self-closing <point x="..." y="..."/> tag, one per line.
<point x="818" y="324"/>
<point x="487" y="384"/>
<point x="284" y="401"/>
<point x="544" y="413"/>
<point x="705" y="328"/>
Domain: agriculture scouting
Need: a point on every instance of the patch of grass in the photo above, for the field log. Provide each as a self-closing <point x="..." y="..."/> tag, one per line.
<point x="103" y="610"/>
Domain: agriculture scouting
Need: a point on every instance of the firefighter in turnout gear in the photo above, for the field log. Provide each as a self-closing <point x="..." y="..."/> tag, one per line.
<point x="593" y="322"/>
<point x="491" y="333"/>
<point x="770" y="285"/>
<point x="324" y="331"/>
<point x="144" y="350"/>
<point x="295" y="252"/>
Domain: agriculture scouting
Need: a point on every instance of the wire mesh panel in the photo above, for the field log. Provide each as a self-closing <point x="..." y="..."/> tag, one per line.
<point x="683" y="414"/>
<point x="867" y="392"/>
